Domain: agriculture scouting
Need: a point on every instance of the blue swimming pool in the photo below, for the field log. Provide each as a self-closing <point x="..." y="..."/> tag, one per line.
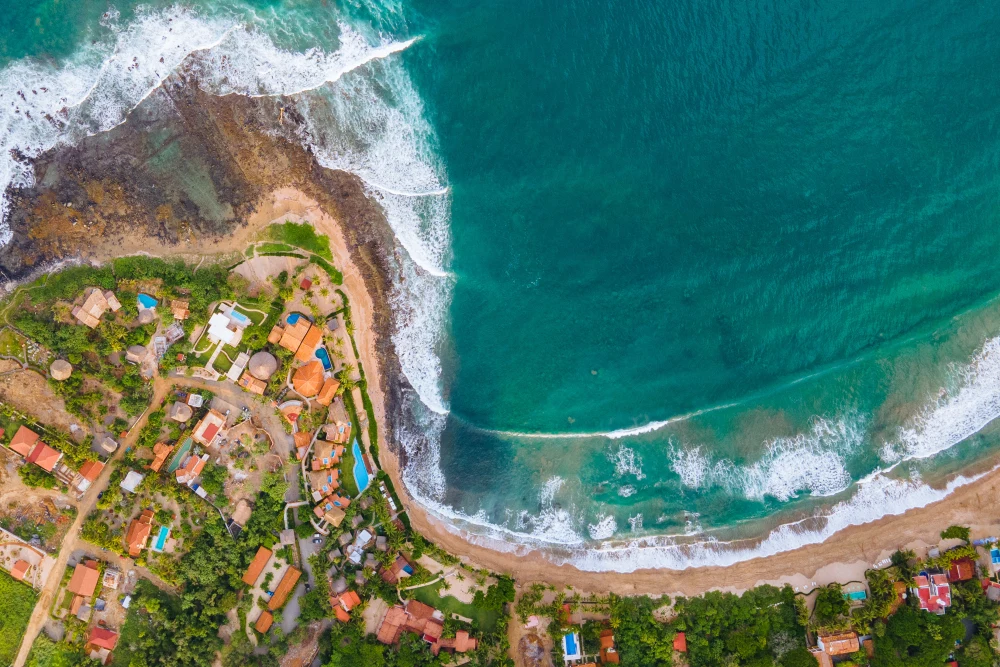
<point x="324" y="356"/>
<point x="293" y="318"/>
<point x="360" y="471"/>
<point x="147" y="301"/>
<point x="569" y="645"/>
<point x="161" y="538"/>
<point x="239" y="317"/>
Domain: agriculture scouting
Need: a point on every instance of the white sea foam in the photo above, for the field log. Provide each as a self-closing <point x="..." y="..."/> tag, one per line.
<point x="627" y="462"/>
<point x="812" y="461"/>
<point x="972" y="402"/>
<point x="635" y="523"/>
<point x="627" y="491"/>
<point x="605" y="527"/>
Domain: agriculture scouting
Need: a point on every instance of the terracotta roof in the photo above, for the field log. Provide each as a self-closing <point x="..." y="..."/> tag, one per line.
<point x="188" y="472"/>
<point x="180" y="309"/>
<point x="75" y="605"/>
<point x="161" y="451"/>
<point x="309" y="343"/>
<point x="84" y="580"/>
<point x="821" y="658"/>
<point x="302" y="438"/>
<point x="392" y="625"/>
<point x="962" y="569"/>
<point x="326" y="454"/>
<point x="102" y="638"/>
<point x="609" y="655"/>
<point x="44" y="457"/>
<point x="291" y="413"/>
<point x="20" y="569"/>
<point x="274" y="335"/>
<point x="308" y="379"/>
<point x="285" y="588"/>
<point x="256" y="566"/>
<point x="841" y="644"/>
<point x="461" y="643"/>
<point x="328" y="391"/>
<point x="350" y="600"/>
<point x="23" y="441"/>
<point x="306" y="283"/>
<point x="264" y="622"/>
<point x="252" y="384"/>
<point x="341" y="615"/>
<point x="91" y="470"/>
<point x="680" y="642"/>
<point x="292" y="335"/>
<point x="138" y="533"/>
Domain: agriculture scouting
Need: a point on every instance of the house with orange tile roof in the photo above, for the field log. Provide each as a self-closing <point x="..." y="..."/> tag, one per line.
<point x="264" y="622"/>
<point x="253" y="572"/>
<point x="252" y="384"/>
<point x="338" y="432"/>
<point x="302" y="440"/>
<point x="311" y="341"/>
<point x="680" y="642"/>
<point x="415" y="617"/>
<point x="608" y="652"/>
<point x="180" y="309"/>
<point x="962" y="569"/>
<point x="327" y="511"/>
<point x="95" y="304"/>
<point x="20" y="569"/>
<point x="328" y="391"/>
<point x="84" y="579"/>
<point x="284" y="589"/>
<point x="324" y="482"/>
<point x="308" y="379"/>
<point x="87" y="475"/>
<point x="138" y="533"/>
<point x="343" y="604"/>
<point x="189" y="472"/>
<point x="24" y="441"/>
<point x="326" y="455"/>
<point x="460" y="643"/>
<point x="44" y="456"/>
<point x="161" y="451"/>
<point x="841" y="643"/>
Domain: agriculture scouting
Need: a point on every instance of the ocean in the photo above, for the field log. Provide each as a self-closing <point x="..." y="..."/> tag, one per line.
<point x="683" y="283"/>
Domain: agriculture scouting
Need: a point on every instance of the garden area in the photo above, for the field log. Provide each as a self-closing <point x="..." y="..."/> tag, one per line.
<point x="17" y="600"/>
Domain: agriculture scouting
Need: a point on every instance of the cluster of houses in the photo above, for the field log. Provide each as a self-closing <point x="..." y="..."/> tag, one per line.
<point x="29" y="446"/>
<point x="427" y="623"/>
<point x="277" y="598"/>
<point x="81" y="596"/>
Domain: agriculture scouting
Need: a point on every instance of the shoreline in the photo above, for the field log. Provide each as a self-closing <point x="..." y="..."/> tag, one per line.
<point x="844" y="556"/>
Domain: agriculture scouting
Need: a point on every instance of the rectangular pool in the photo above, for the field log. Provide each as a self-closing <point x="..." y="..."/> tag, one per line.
<point x="161" y="538"/>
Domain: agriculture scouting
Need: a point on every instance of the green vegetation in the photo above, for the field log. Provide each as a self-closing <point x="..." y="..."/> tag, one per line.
<point x="302" y="236"/>
<point x="915" y="638"/>
<point x="955" y="532"/>
<point x="831" y="608"/>
<point x="482" y="617"/>
<point x="16" y="602"/>
<point x="266" y="248"/>
<point x="335" y="276"/>
<point x="255" y="338"/>
<point x="47" y="653"/>
<point x="213" y="479"/>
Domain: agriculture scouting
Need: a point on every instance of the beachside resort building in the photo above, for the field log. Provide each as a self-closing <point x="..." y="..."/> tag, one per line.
<point x="426" y="622"/>
<point x="95" y="304"/>
<point x="933" y="592"/>
<point x="211" y="426"/>
<point x="138" y="533"/>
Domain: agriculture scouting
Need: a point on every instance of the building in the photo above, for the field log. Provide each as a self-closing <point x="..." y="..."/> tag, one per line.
<point x="44" y="457"/>
<point x="844" y="643"/>
<point x="290" y="337"/>
<point x="962" y="569"/>
<point x="415" y="617"/>
<point x="60" y="370"/>
<point x="100" y="643"/>
<point x="933" y="592"/>
<point x="324" y="482"/>
<point x="308" y="379"/>
<point x="311" y="341"/>
<point x="137" y="536"/>
<point x="256" y="566"/>
<point x="251" y="384"/>
<point x="680" y="642"/>
<point x="609" y="654"/>
<point x="131" y="482"/>
<point x="284" y="589"/>
<point x="24" y="441"/>
<point x="180" y="309"/>
<point x="236" y="369"/>
<point x="461" y="643"/>
<point x="180" y="412"/>
<point x="338" y="432"/>
<point x="95" y="304"/>
<point x="305" y="283"/>
<point x="264" y="622"/>
<point x="227" y="327"/>
<point x="19" y="570"/>
<point x="161" y="451"/>
<point x="87" y="475"/>
<point x="82" y="584"/>
<point x="112" y="579"/>
<point x="326" y="455"/>
<point x="136" y="354"/>
<point x="399" y="569"/>
<point x="343" y="604"/>
<point x="327" y="391"/>
<point x="27" y="443"/>
<point x="263" y="365"/>
<point x="329" y="512"/>
<point x="302" y="440"/>
<point x="209" y="428"/>
<point x="189" y="472"/>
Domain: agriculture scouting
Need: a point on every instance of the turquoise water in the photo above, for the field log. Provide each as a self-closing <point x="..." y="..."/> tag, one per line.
<point x="324" y="356"/>
<point x="161" y="538"/>
<point x="292" y="318"/>
<point x="361" y="478"/>
<point x="146" y="301"/>
<point x="671" y="272"/>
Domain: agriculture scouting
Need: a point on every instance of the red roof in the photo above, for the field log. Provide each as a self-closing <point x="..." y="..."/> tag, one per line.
<point x="20" y="569"/>
<point x="680" y="642"/>
<point x="210" y="432"/>
<point x="306" y="283"/>
<point x="341" y="615"/>
<point x="350" y="600"/>
<point x="44" y="457"/>
<point x="264" y="622"/>
<point x="962" y="569"/>
<point x="256" y="566"/>
<point x="91" y="470"/>
<point x="84" y="579"/>
<point x="103" y="638"/>
<point x="23" y="441"/>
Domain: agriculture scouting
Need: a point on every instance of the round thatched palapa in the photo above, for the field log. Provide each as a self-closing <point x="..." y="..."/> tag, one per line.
<point x="146" y="316"/>
<point x="263" y="365"/>
<point x="60" y="370"/>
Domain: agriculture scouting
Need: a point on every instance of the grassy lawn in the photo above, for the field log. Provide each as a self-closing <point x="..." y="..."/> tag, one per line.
<point x="347" y="483"/>
<point x="16" y="602"/>
<point x="256" y="318"/>
<point x="336" y="276"/>
<point x="274" y="247"/>
<point x="301" y="236"/>
<point x="11" y="344"/>
<point x="484" y="618"/>
<point x="222" y="362"/>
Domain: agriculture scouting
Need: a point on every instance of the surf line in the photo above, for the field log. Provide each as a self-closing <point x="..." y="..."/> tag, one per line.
<point x="610" y="435"/>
